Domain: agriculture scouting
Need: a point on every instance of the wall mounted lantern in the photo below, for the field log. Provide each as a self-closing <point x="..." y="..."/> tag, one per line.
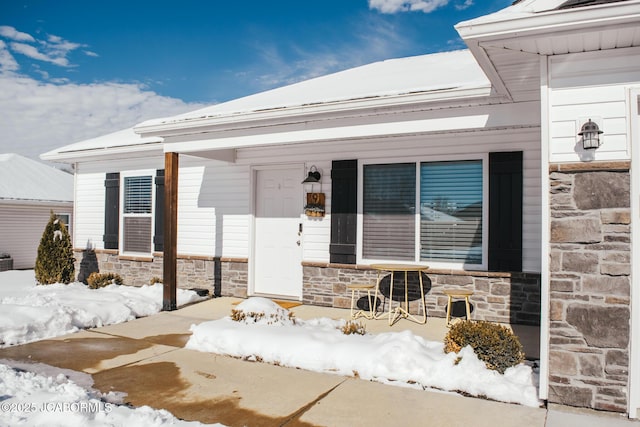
<point x="313" y="176"/>
<point x="590" y="134"/>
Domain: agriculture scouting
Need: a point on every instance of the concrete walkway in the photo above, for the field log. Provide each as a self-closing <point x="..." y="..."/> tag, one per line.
<point x="146" y="360"/>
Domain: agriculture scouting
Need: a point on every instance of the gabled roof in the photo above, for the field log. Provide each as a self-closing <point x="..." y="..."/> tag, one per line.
<point x="379" y="81"/>
<point x="23" y="179"/>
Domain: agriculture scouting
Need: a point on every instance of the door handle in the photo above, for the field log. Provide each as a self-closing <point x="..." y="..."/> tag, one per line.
<point x="298" y="243"/>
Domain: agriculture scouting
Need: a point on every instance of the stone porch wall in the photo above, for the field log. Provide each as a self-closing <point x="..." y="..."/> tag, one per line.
<point x="220" y="276"/>
<point x="590" y="285"/>
<point x="498" y="297"/>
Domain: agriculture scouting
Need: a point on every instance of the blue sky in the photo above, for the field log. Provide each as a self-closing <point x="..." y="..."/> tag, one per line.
<point x="71" y="70"/>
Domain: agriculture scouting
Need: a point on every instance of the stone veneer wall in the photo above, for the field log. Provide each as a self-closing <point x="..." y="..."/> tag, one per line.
<point x="220" y="276"/>
<point x="590" y="285"/>
<point x="498" y="297"/>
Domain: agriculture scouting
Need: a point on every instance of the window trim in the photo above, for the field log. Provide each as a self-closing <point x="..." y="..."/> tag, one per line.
<point x="67" y="223"/>
<point x="483" y="157"/>
<point x="129" y="174"/>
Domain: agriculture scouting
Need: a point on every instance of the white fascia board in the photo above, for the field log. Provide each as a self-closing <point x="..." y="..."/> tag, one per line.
<point x="104" y="153"/>
<point x="512" y="25"/>
<point x="502" y="116"/>
<point x="338" y="109"/>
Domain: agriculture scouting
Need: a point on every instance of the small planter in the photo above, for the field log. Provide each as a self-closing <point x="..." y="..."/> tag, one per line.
<point x="6" y="262"/>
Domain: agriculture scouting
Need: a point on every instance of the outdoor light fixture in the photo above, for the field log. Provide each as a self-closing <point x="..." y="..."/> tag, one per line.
<point x="313" y="177"/>
<point x="590" y="134"/>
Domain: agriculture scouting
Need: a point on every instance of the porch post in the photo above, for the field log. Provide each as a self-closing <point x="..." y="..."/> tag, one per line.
<point x="169" y="260"/>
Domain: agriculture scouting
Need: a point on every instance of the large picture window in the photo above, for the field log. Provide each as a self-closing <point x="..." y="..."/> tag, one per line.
<point x="447" y="227"/>
<point x="137" y="213"/>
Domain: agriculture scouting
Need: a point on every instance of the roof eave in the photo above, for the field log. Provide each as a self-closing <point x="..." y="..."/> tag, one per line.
<point x="102" y="153"/>
<point x="337" y="109"/>
<point x="507" y="25"/>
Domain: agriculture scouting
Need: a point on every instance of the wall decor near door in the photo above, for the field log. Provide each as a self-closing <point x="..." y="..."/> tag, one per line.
<point x="315" y="205"/>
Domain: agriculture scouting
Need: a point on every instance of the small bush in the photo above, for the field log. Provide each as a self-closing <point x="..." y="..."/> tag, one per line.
<point x="100" y="280"/>
<point x="55" y="261"/>
<point x="494" y="344"/>
<point x="280" y="318"/>
<point x="351" y="327"/>
<point x="155" y="280"/>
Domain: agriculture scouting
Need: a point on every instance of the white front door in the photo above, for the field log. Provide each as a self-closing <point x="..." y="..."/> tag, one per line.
<point x="278" y="252"/>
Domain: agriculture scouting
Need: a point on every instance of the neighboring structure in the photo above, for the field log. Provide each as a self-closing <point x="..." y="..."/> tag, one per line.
<point x="29" y="191"/>
<point x="472" y="162"/>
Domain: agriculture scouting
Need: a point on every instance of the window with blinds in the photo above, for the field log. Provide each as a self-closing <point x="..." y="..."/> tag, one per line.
<point x="451" y="211"/>
<point x="447" y="227"/>
<point x="137" y="220"/>
<point x="389" y="200"/>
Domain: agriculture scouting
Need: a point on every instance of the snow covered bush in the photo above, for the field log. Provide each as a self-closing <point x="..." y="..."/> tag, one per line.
<point x="100" y="280"/>
<point x="55" y="261"/>
<point x="257" y="310"/>
<point x="494" y="344"/>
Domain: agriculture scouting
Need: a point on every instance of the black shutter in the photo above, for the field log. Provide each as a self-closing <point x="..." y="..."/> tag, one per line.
<point x="111" y="210"/>
<point x="158" y="235"/>
<point x="344" y="192"/>
<point x="505" y="211"/>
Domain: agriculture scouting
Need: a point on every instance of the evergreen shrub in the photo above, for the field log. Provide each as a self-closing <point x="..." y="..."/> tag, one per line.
<point x="496" y="345"/>
<point x="55" y="261"/>
<point x="100" y="280"/>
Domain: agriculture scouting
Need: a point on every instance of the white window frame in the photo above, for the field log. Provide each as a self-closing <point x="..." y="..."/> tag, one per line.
<point x="484" y="157"/>
<point x="130" y="174"/>
<point x="66" y="223"/>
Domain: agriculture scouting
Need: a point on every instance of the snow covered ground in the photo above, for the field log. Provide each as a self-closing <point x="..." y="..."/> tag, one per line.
<point x="64" y="398"/>
<point x="31" y="312"/>
<point x="266" y="333"/>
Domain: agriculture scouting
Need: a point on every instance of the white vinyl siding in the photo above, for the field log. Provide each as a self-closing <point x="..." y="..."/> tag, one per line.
<point x="591" y="86"/>
<point x="89" y="210"/>
<point x="213" y="209"/>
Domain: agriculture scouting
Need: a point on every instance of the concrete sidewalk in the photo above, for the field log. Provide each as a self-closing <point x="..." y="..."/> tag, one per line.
<point x="145" y="358"/>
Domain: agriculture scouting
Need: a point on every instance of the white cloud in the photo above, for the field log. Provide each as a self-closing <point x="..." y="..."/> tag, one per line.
<point x="464" y="5"/>
<point x="395" y="6"/>
<point x="54" y="49"/>
<point x="7" y="61"/>
<point x="37" y="117"/>
<point x="43" y="113"/>
<point x="13" y="34"/>
<point x="375" y="39"/>
<point x="32" y="52"/>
